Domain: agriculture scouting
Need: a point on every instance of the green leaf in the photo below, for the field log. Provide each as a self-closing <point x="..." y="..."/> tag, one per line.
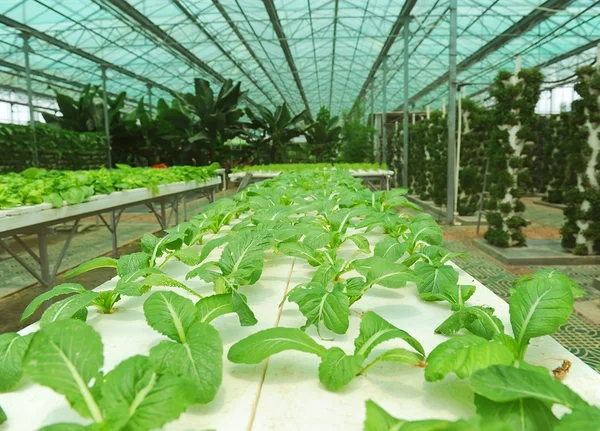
<point x="375" y="330"/>
<point x="170" y="314"/>
<point x="68" y="307"/>
<point x="318" y="305"/>
<point x="188" y="257"/>
<point x="99" y="262"/>
<point x="582" y="418"/>
<point x="66" y="356"/>
<point x="213" y="306"/>
<point x="213" y="244"/>
<point x="240" y="306"/>
<point x="300" y="250"/>
<point x="2" y="416"/>
<point x="424" y="229"/>
<point x="392" y="275"/>
<point x="200" y="360"/>
<point x="243" y="257"/>
<point x="502" y="383"/>
<point x="455" y="294"/>
<point x="327" y="271"/>
<point x="378" y="419"/>
<point x="401" y="356"/>
<point x="148" y="243"/>
<point x="12" y="351"/>
<point x="361" y="242"/>
<point x="131" y="263"/>
<point x="479" y="320"/>
<point x="390" y="249"/>
<point x="464" y="355"/>
<point x="537" y="308"/>
<point x="259" y="346"/>
<point x="551" y="276"/>
<point x="160" y="279"/>
<point x="434" y="278"/>
<point x="337" y="369"/>
<point x="317" y="239"/>
<point x="134" y="397"/>
<point x="522" y="414"/>
<point x="61" y="289"/>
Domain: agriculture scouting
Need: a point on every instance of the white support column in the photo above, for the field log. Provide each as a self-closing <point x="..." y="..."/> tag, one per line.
<point x="452" y="116"/>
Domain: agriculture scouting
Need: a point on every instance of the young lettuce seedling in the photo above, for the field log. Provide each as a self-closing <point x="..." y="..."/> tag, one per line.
<point x="540" y="304"/>
<point x="337" y="369"/>
<point x="66" y="356"/>
<point x="241" y="264"/>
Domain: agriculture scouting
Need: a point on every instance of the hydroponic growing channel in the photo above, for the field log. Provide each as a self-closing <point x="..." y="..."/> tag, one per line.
<point x="307" y="301"/>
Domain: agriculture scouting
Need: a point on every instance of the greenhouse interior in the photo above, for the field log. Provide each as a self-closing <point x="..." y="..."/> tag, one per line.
<point x="300" y="215"/>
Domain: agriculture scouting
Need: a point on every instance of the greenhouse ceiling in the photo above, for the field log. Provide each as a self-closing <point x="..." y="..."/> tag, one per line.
<point x="308" y="53"/>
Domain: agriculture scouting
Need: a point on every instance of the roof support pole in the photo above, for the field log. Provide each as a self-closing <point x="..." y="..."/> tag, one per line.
<point x="384" y="115"/>
<point x="106" y="122"/>
<point x="374" y="139"/>
<point x="150" y="98"/>
<point x="26" y="50"/>
<point x="405" y="119"/>
<point x="451" y="116"/>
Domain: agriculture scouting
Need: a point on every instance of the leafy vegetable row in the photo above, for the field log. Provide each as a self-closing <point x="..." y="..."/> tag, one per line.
<point x="288" y="167"/>
<point x="308" y="215"/>
<point x="35" y="186"/>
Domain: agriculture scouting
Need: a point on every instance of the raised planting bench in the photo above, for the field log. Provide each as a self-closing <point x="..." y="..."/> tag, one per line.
<point x="284" y="392"/>
<point x="38" y="219"/>
<point x="537" y="252"/>
<point x="371" y="178"/>
<point x="440" y="212"/>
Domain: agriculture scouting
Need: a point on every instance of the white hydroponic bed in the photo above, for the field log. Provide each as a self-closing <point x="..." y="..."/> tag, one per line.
<point x="285" y="393"/>
<point x="359" y="173"/>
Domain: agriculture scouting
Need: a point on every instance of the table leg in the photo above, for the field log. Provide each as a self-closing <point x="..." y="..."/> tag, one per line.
<point x="113" y="233"/>
<point x="43" y="258"/>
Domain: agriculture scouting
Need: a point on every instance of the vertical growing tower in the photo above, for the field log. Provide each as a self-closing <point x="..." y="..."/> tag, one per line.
<point x="581" y="231"/>
<point x="511" y="137"/>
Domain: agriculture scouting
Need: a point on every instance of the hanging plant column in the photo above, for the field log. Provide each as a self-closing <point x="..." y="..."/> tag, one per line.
<point x="581" y="231"/>
<point x="475" y="130"/>
<point x="510" y="142"/>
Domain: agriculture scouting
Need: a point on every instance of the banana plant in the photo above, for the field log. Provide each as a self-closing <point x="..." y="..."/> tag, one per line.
<point x="323" y="136"/>
<point x="280" y="127"/>
<point x="218" y="116"/>
<point x="82" y="115"/>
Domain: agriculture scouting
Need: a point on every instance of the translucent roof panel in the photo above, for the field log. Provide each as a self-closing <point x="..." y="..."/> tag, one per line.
<point x="307" y="53"/>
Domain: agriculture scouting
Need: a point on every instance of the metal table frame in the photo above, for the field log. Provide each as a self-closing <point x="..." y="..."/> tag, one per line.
<point x="13" y="226"/>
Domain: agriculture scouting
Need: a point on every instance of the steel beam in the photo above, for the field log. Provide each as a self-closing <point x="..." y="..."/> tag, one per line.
<point x="335" y="21"/>
<point x="77" y="51"/>
<point x="402" y="18"/>
<point x="452" y="116"/>
<point x="384" y="115"/>
<point x="51" y="79"/>
<point x="150" y="98"/>
<point x="405" y="31"/>
<point x="226" y="53"/>
<point x="26" y="50"/>
<point x="237" y="32"/>
<point x="539" y="14"/>
<point x="106" y="120"/>
<point x="553" y="60"/>
<point x="272" y="11"/>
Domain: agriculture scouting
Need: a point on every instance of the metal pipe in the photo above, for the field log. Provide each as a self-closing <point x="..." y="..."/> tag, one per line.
<point x="106" y="121"/>
<point x="150" y="97"/>
<point x="405" y="30"/>
<point x="451" y="116"/>
<point x="373" y="141"/>
<point x="26" y="50"/>
<point x="384" y="116"/>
